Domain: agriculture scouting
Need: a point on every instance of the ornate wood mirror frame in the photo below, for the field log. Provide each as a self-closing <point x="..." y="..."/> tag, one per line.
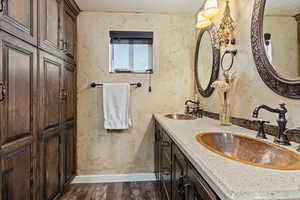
<point x="282" y="86"/>
<point x="207" y="92"/>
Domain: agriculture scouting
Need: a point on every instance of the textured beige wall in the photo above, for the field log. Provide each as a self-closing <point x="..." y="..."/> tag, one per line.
<point x="251" y="90"/>
<point x="131" y="151"/>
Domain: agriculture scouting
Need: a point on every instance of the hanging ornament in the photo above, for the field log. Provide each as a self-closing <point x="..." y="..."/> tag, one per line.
<point x="225" y="32"/>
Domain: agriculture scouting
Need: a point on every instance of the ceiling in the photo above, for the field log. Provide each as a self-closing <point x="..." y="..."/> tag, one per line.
<point x="282" y="7"/>
<point x="145" y="6"/>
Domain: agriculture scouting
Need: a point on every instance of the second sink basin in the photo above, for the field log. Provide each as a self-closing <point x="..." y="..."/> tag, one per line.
<point x="180" y="117"/>
<point x="250" y="151"/>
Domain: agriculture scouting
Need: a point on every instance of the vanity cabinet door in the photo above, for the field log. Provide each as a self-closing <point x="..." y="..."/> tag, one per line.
<point x="50" y="26"/>
<point x="179" y="175"/>
<point x="166" y="165"/>
<point x="18" y="100"/>
<point x="157" y="149"/>
<point x="198" y="189"/>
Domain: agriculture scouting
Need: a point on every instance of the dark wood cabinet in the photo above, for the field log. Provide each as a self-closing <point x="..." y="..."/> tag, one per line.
<point x="178" y="179"/>
<point x="18" y="89"/>
<point x="19" y="17"/>
<point x="69" y="151"/>
<point x="158" y="139"/>
<point x="69" y="30"/>
<point x="37" y="98"/>
<point x="179" y="175"/>
<point x="197" y="188"/>
<point x="50" y="26"/>
<point x="166" y="164"/>
<point x="69" y="121"/>
<point x="51" y="83"/>
<point x="51" y="165"/>
<point x="69" y="92"/>
<point x="57" y="28"/>
<point x="17" y="174"/>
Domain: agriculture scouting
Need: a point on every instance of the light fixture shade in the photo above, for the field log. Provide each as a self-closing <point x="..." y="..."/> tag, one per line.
<point x="202" y="21"/>
<point x="211" y="9"/>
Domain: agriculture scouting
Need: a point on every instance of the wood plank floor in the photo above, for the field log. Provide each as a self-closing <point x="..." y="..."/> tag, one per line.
<point x="111" y="191"/>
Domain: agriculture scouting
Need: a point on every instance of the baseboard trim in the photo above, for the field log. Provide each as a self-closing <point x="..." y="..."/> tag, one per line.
<point x="114" y="178"/>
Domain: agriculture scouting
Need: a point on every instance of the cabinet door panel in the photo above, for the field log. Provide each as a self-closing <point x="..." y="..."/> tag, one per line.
<point x="18" y="77"/>
<point x="19" y="18"/>
<point x="179" y="174"/>
<point x="157" y="151"/>
<point x="18" y="117"/>
<point x="51" y="115"/>
<point x="69" y="153"/>
<point x="69" y="88"/>
<point x="166" y="164"/>
<point x="69" y="31"/>
<point x="17" y="174"/>
<point x="49" y="26"/>
<point x="199" y="189"/>
<point x="52" y="169"/>
<point x="51" y="71"/>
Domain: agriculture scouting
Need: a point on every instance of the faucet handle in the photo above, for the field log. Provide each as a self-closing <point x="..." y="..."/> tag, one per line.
<point x="283" y="106"/>
<point x="261" y="130"/>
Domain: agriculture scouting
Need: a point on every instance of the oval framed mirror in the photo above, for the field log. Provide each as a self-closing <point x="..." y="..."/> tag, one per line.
<point x="207" y="60"/>
<point x="275" y="41"/>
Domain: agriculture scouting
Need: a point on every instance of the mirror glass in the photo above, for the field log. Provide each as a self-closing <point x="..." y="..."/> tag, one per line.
<point x="281" y="28"/>
<point x="205" y="60"/>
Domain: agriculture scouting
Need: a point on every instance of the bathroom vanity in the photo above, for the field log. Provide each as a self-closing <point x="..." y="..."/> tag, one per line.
<point x="187" y="170"/>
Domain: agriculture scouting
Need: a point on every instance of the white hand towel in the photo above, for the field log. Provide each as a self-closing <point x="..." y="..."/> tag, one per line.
<point x="116" y="106"/>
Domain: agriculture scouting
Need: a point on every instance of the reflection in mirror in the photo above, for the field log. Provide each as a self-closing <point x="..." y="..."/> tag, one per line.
<point x="205" y="60"/>
<point x="281" y="28"/>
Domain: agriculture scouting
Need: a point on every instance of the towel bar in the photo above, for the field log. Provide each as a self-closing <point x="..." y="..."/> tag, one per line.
<point x="93" y="84"/>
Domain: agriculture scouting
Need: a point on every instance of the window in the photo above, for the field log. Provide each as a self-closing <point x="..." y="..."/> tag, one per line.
<point x="131" y="51"/>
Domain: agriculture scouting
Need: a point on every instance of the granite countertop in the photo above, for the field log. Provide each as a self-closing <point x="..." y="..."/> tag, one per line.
<point x="231" y="180"/>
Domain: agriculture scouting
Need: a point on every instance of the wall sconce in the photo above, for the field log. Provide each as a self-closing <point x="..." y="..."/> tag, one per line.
<point x="211" y="9"/>
<point x="202" y="21"/>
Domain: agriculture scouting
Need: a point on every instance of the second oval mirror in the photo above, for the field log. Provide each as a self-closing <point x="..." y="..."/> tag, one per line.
<point x="206" y="61"/>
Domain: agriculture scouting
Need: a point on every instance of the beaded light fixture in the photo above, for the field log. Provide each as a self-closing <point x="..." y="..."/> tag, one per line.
<point x="225" y="32"/>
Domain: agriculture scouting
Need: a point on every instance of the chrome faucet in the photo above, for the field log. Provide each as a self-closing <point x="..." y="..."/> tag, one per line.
<point x="293" y="131"/>
<point x="280" y="138"/>
<point x="195" y="110"/>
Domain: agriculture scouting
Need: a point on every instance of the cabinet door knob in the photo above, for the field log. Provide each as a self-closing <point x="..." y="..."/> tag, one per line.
<point x="64" y="94"/>
<point x="3" y="92"/>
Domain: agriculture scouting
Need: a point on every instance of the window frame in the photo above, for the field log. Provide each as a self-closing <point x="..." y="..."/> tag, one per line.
<point x="131" y="54"/>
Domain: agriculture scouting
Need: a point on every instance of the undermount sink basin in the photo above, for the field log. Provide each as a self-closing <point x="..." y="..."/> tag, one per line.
<point x="250" y="151"/>
<point x="180" y="117"/>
